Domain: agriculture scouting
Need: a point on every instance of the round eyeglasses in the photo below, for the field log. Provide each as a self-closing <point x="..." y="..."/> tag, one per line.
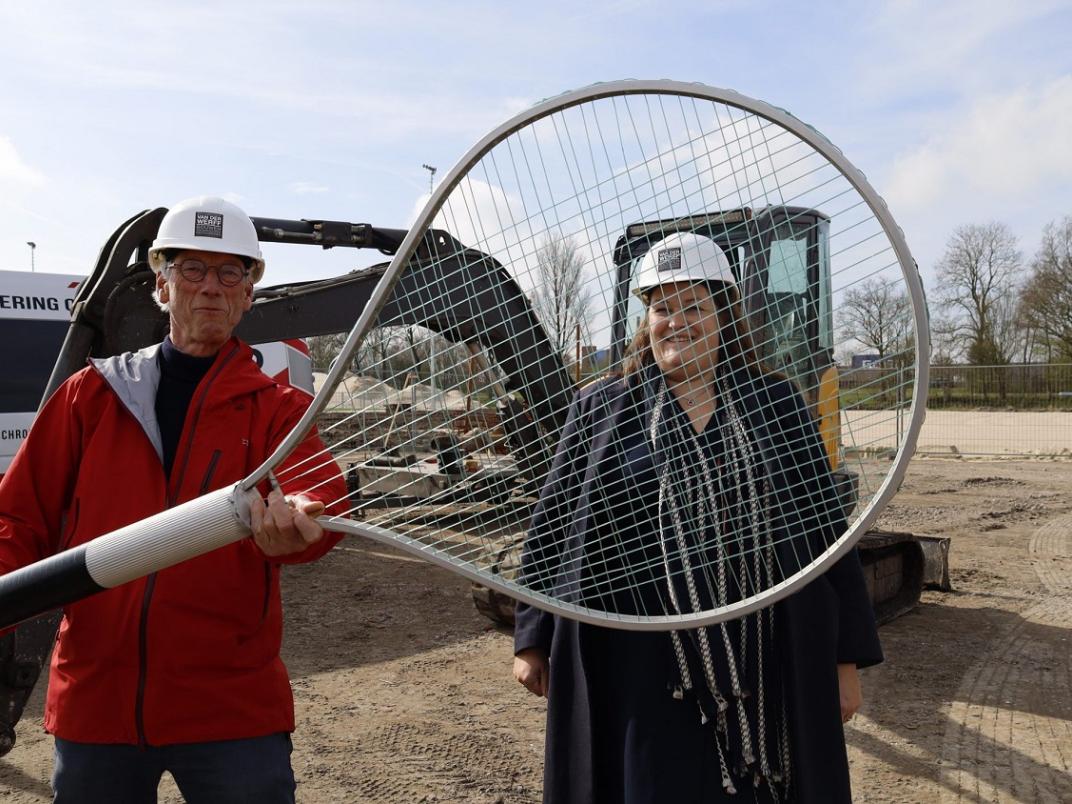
<point x="229" y="274"/>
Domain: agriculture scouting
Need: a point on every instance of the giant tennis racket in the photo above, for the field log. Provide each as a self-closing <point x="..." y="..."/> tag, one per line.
<point x="445" y="403"/>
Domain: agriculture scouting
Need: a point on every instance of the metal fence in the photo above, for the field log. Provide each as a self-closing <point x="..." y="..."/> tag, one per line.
<point x="1015" y="410"/>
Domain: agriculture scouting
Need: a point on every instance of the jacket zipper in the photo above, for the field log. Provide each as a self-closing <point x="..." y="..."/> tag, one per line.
<point x="143" y="659"/>
<point x="175" y="484"/>
<point x="211" y="471"/>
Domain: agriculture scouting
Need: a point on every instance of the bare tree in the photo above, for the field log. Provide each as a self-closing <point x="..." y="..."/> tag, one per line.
<point x="373" y="356"/>
<point x="562" y="300"/>
<point x="878" y="315"/>
<point x="947" y="348"/>
<point x="416" y="346"/>
<point x="323" y="349"/>
<point x="977" y="286"/>
<point x="1046" y="300"/>
<point x="402" y="353"/>
<point x="370" y="357"/>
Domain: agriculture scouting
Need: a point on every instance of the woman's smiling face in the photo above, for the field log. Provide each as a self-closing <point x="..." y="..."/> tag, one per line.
<point x="684" y="323"/>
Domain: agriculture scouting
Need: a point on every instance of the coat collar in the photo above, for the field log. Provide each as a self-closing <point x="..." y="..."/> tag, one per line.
<point x="134" y="378"/>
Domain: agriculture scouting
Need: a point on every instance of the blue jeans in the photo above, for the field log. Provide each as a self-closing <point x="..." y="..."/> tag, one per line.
<point x="225" y="772"/>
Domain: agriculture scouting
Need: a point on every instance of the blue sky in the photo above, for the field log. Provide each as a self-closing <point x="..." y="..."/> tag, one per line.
<point x="958" y="112"/>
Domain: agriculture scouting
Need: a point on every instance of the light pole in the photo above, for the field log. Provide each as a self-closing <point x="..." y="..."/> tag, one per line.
<point x="33" y="247"/>
<point x="431" y="176"/>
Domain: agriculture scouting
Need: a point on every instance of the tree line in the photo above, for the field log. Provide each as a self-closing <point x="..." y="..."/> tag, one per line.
<point x="401" y="355"/>
<point x="990" y="306"/>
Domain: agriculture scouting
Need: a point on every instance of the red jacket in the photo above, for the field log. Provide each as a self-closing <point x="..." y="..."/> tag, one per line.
<point x="190" y="653"/>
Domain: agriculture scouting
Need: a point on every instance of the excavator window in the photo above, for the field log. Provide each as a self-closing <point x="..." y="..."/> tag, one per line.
<point x="791" y="304"/>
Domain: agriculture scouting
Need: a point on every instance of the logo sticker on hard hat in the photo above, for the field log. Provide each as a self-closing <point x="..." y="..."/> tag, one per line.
<point x="208" y="224"/>
<point x="669" y="259"/>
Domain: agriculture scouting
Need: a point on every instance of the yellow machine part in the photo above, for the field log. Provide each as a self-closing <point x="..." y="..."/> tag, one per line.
<point x="828" y="414"/>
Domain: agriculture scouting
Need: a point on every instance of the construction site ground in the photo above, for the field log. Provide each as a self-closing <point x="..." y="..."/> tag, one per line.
<point x="404" y="692"/>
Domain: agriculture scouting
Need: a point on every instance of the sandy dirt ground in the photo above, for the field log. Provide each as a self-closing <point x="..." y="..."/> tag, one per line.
<point x="404" y="692"/>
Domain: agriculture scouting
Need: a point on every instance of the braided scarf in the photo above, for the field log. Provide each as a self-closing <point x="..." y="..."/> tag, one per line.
<point x="715" y="537"/>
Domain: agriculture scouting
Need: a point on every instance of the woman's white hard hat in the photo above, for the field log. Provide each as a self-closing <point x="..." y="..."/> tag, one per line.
<point x="207" y="223"/>
<point x="682" y="257"/>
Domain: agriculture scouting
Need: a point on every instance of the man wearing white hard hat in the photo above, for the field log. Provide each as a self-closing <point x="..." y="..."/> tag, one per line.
<point x="696" y="450"/>
<point x="180" y="671"/>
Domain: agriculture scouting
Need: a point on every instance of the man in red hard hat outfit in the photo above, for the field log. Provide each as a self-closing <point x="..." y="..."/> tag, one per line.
<point x="179" y="671"/>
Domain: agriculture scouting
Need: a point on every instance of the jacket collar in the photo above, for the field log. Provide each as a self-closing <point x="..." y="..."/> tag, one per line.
<point x="134" y="377"/>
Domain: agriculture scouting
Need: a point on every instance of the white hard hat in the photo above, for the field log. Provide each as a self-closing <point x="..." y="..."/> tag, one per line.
<point x="208" y="223"/>
<point x="682" y="257"/>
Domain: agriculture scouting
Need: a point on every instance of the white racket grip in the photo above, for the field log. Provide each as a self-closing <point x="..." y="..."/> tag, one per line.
<point x="177" y="534"/>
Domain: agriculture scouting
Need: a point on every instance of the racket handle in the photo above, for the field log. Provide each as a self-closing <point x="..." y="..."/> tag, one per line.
<point x="132" y="552"/>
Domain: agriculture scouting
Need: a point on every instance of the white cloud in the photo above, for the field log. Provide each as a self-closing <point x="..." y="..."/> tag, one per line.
<point x="418" y="206"/>
<point x="307" y="187"/>
<point x="965" y="44"/>
<point x="997" y="148"/>
<point x="89" y="50"/>
<point x="14" y="169"/>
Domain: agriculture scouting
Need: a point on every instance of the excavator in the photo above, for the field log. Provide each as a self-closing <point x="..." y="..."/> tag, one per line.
<point x="780" y="258"/>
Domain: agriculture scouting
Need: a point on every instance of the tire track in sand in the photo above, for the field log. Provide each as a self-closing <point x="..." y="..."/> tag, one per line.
<point x="1009" y="736"/>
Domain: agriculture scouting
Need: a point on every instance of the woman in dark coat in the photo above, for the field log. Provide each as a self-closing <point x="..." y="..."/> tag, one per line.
<point x="695" y="448"/>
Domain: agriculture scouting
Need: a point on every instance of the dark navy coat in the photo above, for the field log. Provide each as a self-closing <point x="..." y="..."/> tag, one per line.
<point x="829" y="621"/>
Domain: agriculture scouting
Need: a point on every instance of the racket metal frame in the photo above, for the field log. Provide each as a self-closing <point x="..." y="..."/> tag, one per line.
<point x="423" y="224"/>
